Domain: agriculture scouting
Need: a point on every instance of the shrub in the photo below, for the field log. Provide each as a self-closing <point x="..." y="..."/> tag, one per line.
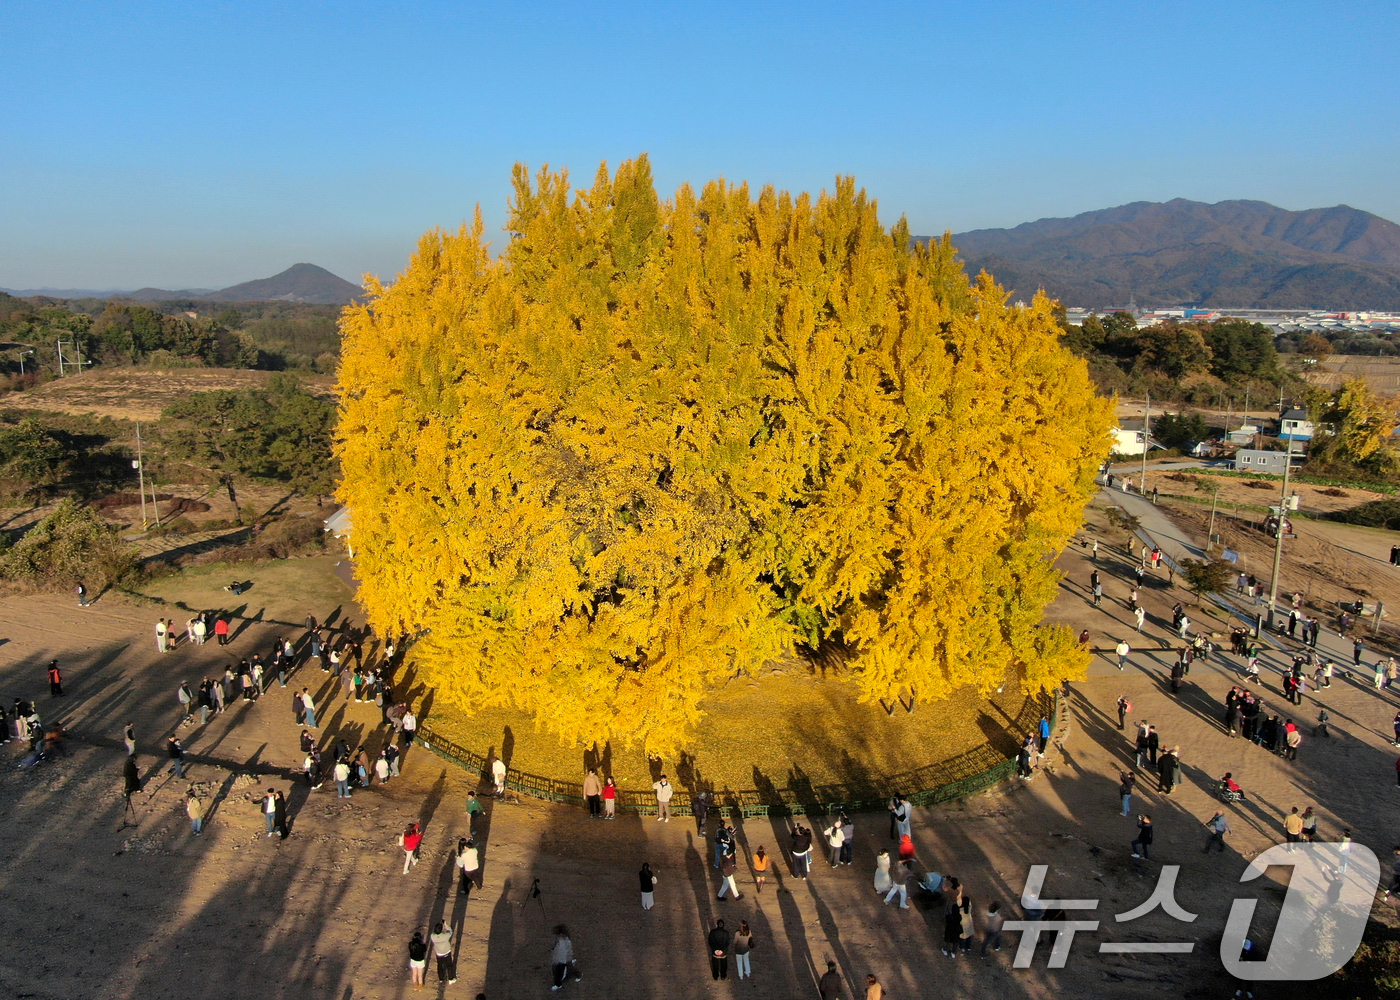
<point x="281" y="539"/>
<point x="1376" y="514"/>
<point x="69" y="545"/>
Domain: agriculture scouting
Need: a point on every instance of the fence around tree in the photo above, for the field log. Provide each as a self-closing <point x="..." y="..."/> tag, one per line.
<point x="944" y="781"/>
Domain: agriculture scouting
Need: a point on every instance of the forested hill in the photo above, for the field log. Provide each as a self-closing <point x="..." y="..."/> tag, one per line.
<point x="1233" y="254"/>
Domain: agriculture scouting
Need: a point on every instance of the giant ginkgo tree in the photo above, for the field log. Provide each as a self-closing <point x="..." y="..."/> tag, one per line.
<point x="655" y="444"/>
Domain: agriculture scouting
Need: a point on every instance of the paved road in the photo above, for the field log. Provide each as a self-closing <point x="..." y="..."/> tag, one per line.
<point x="1159" y="529"/>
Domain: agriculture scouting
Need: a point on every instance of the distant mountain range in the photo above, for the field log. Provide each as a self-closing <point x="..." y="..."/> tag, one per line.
<point x="1233" y="254"/>
<point x="298" y="283"/>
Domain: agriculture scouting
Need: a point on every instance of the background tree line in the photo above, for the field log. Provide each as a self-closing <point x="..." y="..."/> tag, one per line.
<point x="1180" y="362"/>
<point x="269" y="336"/>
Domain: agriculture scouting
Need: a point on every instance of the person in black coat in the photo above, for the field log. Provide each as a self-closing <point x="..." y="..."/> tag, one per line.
<point x="718" y="942"/>
<point x="279" y="815"/>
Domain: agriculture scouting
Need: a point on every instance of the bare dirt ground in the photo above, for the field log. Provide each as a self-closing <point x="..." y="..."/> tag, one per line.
<point x="150" y="911"/>
<point x="1256" y="493"/>
<point x="141" y="393"/>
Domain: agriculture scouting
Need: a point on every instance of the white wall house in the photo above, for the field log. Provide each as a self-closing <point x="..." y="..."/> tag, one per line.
<point x="1295" y="426"/>
<point x="1128" y="438"/>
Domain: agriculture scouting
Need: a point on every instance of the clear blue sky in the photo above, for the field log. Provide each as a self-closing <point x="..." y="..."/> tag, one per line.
<point x="202" y="144"/>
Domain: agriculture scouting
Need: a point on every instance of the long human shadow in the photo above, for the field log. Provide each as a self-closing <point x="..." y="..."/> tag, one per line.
<point x="832" y="930"/>
<point x="500" y="947"/>
<point x="432" y="800"/>
<point x="697" y="876"/>
<point x="244" y="624"/>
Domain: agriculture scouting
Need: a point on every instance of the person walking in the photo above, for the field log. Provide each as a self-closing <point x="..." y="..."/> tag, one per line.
<point x="1098" y="594"/>
<point x="729" y="868"/>
<point x="498" y="777"/>
<point x="899" y="812"/>
<point x="593" y="794"/>
<point x="1218" y="827"/>
<point x="194" y="809"/>
<point x="992" y="922"/>
<point x="55" y="680"/>
<point x="1169" y="770"/>
<point x="719" y="943"/>
<point x="1142" y="734"/>
<point x="873" y="989"/>
<point x="1154" y="743"/>
<point x="1122" y="649"/>
<point x="1124" y="707"/>
<point x="761" y="865"/>
<point x="342" y="779"/>
<point x="1043" y="730"/>
<point x="830" y="986"/>
<point x="308" y="705"/>
<point x="221" y="630"/>
<point x="952" y="928"/>
<point x="185" y="697"/>
<point x="1309" y="825"/>
<point x="441" y="940"/>
<point x="417" y="959"/>
<point x="1126" y="780"/>
<point x="609" y="799"/>
<point x="1140" y="615"/>
<point x="177" y="756"/>
<point x="664" y="791"/>
<point x="723" y="835"/>
<point x="1293" y="828"/>
<point x="561" y="957"/>
<point x="161" y="636"/>
<point x="742" y="945"/>
<point x="468" y="865"/>
<point x="279" y="815"/>
<point x="883" y="879"/>
<point x="848" y="831"/>
<point x="410" y="840"/>
<point x="801" y="851"/>
<point x="473" y="810"/>
<point x="700" y="809"/>
<point x="1142" y="845"/>
<point x="648" y="880"/>
<point x="835" y="836"/>
<point x="899" y="880"/>
<point x="269" y="809"/>
<point x="82" y="595"/>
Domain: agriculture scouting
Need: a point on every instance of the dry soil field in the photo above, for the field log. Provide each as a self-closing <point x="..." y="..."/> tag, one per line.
<point x="141" y="393"/>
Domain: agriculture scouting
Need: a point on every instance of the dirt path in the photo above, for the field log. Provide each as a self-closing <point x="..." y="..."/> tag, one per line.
<point x="151" y="911"/>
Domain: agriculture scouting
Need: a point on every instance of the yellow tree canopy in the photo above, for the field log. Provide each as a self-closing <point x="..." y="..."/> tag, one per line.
<point x="655" y="444"/>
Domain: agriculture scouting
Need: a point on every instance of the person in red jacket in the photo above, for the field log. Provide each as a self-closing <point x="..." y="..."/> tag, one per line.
<point x="221" y="630"/>
<point x="55" y="680"/>
<point x="412" y="837"/>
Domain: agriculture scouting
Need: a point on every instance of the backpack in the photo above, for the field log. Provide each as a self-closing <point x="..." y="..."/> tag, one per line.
<point x="1127" y="707"/>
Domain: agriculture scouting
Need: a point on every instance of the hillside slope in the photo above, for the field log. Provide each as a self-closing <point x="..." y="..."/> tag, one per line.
<point x="1230" y="254"/>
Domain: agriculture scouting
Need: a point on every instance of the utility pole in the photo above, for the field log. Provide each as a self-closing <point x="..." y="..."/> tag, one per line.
<point x="1146" y="437"/>
<point x="1210" y="531"/>
<point x="141" y="475"/>
<point x="1282" y="511"/>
